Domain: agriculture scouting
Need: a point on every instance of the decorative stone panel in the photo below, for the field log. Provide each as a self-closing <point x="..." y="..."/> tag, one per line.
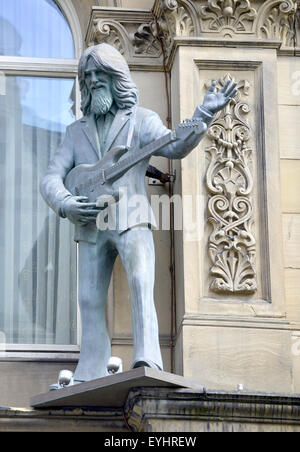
<point x="229" y="181"/>
<point x="139" y="34"/>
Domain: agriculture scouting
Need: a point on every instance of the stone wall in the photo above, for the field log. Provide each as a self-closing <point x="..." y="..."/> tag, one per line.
<point x="241" y="331"/>
<point x="289" y="122"/>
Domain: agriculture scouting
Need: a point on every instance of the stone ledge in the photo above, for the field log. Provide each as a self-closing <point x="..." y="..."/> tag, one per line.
<point x="159" y="409"/>
<point x="162" y="410"/>
<point x="63" y="420"/>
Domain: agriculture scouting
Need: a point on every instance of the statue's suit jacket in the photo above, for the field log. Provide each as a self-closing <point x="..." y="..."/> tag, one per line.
<point x="81" y="146"/>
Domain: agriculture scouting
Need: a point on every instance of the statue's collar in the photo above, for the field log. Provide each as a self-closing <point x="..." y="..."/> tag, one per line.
<point x="90" y="129"/>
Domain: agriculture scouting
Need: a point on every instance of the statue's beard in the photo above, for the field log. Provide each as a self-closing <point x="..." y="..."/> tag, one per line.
<point x="102" y="100"/>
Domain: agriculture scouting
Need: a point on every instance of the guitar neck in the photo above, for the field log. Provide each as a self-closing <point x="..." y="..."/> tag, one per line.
<point x="120" y="168"/>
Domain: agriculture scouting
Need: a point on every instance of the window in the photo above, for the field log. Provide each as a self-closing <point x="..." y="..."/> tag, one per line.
<point x="38" y="92"/>
<point x="34" y="28"/>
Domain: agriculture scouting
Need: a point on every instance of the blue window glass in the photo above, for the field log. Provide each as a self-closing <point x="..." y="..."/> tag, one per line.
<point x="34" y="28"/>
<point x="37" y="302"/>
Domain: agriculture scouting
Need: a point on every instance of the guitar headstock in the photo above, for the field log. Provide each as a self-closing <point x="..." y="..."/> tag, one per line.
<point x="188" y="128"/>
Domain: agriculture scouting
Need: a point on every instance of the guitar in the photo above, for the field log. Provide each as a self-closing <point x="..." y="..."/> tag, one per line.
<point x="95" y="181"/>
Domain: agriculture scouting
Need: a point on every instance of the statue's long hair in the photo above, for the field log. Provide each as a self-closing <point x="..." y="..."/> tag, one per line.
<point x="111" y="62"/>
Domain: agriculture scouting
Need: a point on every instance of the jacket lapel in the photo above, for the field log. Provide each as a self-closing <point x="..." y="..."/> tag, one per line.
<point x="90" y="129"/>
<point x="119" y="122"/>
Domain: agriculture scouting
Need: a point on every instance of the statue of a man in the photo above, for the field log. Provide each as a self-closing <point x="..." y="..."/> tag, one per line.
<point x="112" y="118"/>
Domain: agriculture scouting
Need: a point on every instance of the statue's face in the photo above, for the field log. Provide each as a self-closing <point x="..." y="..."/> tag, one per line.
<point x="99" y="85"/>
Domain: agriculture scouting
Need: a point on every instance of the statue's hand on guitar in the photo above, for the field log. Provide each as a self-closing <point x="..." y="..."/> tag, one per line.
<point x="79" y="211"/>
<point x="88" y="183"/>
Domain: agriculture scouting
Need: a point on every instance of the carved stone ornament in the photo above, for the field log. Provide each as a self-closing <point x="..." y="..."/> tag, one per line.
<point x="227" y="16"/>
<point x="139" y="34"/>
<point x="229" y="181"/>
<point x="145" y="41"/>
<point x="127" y="32"/>
<point x="277" y="21"/>
<point x="111" y="33"/>
<point x="175" y="21"/>
<point x="272" y="20"/>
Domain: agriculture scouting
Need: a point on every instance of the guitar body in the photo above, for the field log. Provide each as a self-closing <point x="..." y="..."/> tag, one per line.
<point x="95" y="181"/>
<point x="89" y="180"/>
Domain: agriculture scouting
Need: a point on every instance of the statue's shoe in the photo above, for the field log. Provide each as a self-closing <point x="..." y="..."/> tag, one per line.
<point x="145" y="363"/>
<point x="54" y="387"/>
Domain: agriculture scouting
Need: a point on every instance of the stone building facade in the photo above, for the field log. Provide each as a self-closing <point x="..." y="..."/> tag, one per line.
<point x="228" y="281"/>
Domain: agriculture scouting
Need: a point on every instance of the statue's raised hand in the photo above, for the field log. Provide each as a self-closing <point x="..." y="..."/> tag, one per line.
<point x="216" y="101"/>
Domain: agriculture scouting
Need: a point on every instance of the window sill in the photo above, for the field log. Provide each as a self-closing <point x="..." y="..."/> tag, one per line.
<point x="13" y="352"/>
